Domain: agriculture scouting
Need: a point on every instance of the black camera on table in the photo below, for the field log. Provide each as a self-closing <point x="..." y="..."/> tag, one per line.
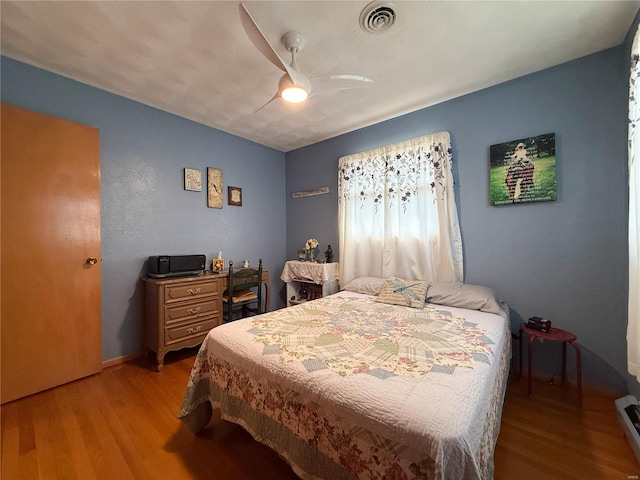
<point x="540" y="324"/>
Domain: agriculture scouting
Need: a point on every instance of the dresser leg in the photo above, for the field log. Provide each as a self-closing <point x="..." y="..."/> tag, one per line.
<point x="160" y="360"/>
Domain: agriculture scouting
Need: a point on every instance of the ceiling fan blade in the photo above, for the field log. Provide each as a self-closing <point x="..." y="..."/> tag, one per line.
<point x="259" y="40"/>
<point x="262" y="44"/>
<point x="274" y="98"/>
<point x="332" y="83"/>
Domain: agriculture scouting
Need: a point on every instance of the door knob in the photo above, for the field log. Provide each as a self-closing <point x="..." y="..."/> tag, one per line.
<point x="91" y="261"/>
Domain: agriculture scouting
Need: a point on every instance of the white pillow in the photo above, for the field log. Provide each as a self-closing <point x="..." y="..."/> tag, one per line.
<point x="366" y="285"/>
<point x="473" y="297"/>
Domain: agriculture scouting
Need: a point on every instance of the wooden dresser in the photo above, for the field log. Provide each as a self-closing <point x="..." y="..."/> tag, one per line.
<point x="180" y="311"/>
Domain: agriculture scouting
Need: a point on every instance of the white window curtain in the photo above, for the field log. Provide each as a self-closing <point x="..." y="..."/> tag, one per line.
<point x="633" y="327"/>
<point x="397" y="212"/>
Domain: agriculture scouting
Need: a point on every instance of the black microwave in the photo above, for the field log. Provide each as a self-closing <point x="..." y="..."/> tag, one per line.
<point x="161" y="266"/>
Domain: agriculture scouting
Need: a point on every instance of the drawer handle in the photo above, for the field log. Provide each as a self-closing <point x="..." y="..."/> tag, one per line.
<point x="194" y="291"/>
<point x="193" y="310"/>
<point x="194" y="329"/>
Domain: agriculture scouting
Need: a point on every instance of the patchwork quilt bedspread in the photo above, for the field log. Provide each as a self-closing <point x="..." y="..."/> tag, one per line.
<point x="345" y="387"/>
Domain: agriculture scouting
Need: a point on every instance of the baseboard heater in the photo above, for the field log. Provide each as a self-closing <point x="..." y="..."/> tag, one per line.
<point x="629" y="415"/>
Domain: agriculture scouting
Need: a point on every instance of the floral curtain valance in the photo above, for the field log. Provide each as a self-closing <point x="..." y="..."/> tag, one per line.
<point x="397" y="213"/>
<point x="396" y="173"/>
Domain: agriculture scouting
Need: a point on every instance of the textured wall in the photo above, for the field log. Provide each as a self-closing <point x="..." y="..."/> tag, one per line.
<point x="145" y="210"/>
<point x="566" y="260"/>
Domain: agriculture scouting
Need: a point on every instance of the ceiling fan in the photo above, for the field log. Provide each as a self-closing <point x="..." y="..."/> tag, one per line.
<point x="294" y="86"/>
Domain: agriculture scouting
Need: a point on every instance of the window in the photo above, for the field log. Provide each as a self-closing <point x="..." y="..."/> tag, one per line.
<point x="397" y="212"/>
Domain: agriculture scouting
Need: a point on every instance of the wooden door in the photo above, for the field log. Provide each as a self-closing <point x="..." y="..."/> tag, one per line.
<point x="50" y="290"/>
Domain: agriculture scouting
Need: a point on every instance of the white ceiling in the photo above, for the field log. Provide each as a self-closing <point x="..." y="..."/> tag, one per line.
<point x="194" y="59"/>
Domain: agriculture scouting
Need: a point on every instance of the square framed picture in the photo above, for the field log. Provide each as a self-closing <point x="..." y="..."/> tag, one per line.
<point x="523" y="170"/>
<point x="214" y="188"/>
<point x="192" y="180"/>
<point x="235" y="196"/>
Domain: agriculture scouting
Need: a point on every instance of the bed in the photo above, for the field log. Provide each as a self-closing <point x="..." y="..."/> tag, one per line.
<point x="356" y="386"/>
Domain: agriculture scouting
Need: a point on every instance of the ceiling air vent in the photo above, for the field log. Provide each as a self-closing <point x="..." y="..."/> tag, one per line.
<point x="378" y="17"/>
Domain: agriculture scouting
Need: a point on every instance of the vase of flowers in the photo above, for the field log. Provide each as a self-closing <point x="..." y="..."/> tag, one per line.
<point x="312" y="249"/>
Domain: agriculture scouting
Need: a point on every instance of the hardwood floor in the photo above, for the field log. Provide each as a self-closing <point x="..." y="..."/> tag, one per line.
<point x="121" y="424"/>
<point x="548" y="437"/>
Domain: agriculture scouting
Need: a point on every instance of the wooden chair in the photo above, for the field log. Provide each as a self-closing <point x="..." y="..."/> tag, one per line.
<point x="240" y="296"/>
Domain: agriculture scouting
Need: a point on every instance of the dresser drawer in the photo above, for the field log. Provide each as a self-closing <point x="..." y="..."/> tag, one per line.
<point x="188" y="311"/>
<point x="180" y="292"/>
<point x="196" y="329"/>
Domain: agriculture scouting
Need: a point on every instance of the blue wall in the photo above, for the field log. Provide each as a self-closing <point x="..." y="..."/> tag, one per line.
<point x="565" y="260"/>
<point x="145" y="210"/>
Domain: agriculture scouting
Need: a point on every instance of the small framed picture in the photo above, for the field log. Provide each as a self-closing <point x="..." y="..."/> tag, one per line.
<point x="214" y="188"/>
<point x="192" y="180"/>
<point x="235" y="196"/>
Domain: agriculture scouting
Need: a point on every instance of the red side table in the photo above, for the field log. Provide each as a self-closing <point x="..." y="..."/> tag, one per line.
<point x="554" y="335"/>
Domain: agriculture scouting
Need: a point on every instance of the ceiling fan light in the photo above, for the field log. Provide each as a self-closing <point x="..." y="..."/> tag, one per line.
<point x="294" y="94"/>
